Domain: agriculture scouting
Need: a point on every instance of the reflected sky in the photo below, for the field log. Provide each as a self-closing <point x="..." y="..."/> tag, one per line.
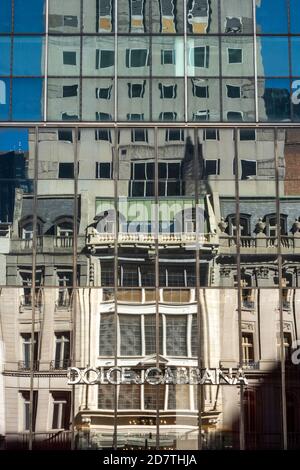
<point x="271" y="16"/>
<point x="272" y="47"/>
<point x="29" y="16"/>
<point x="5" y="16"/>
<point x="14" y="140"/>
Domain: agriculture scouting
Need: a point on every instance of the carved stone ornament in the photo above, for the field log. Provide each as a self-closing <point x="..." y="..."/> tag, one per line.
<point x="260" y="226"/>
<point x="222" y="225"/>
<point x="296" y="226"/>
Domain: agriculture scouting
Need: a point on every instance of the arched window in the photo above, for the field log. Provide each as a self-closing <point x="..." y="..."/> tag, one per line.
<point x="64" y="227"/>
<point x="26" y="228"/>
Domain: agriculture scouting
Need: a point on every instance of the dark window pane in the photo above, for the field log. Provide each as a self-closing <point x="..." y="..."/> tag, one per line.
<point x="66" y="170"/>
<point x="69" y="58"/>
<point x="247" y="134"/>
<point x="234" y="56"/>
<point x="70" y="90"/>
<point x="248" y="168"/>
<point x="136" y="57"/>
<point x="233" y="91"/>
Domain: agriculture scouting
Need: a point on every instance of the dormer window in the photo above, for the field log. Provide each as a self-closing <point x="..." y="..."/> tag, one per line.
<point x="271" y="225"/>
<point x="244" y="229"/>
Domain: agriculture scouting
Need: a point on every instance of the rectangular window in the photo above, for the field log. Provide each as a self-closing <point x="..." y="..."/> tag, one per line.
<point x="129" y="276"/>
<point x="235" y="56"/>
<point x="69" y="58"/>
<point x="201" y="91"/>
<point x="154" y="399"/>
<point x="199" y="56"/>
<point x="169" y="170"/>
<point x="212" y="167"/>
<point x="137" y="57"/>
<point x="62" y="350"/>
<point x="168" y="57"/>
<point x="233" y="91"/>
<point x="66" y="170"/>
<point x="234" y="116"/>
<point x="248" y="347"/>
<point x="104" y="170"/>
<point x="194" y="336"/>
<point x="107" y="275"/>
<point x="176" y="335"/>
<point x="167" y="91"/>
<point x="70" y="90"/>
<point x="25" y="397"/>
<point x="211" y="134"/>
<point x="139" y="135"/>
<point x="106" y="394"/>
<point x="65" y="135"/>
<point x="103" y="134"/>
<point x="179" y="397"/>
<point x="26" y="350"/>
<point x="174" y="135"/>
<point x="103" y="93"/>
<point x="287" y="344"/>
<point x="104" y="58"/>
<point x="107" y="335"/>
<point x="202" y="115"/>
<point x="150" y="334"/>
<point x="69" y="117"/>
<point x="65" y="282"/>
<point x="103" y="117"/>
<point x="249" y="168"/>
<point x="247" y="134"/>
<point x="168" y="116"/>
<point x="61" y="410"/>
<point x="136" y="90"/>
<point x="129" y="397"/>
<point x="71" y="20"/>
<point x="135" y="117"/>
<point x="130" y="335"/>
<point x="26" y="277"/>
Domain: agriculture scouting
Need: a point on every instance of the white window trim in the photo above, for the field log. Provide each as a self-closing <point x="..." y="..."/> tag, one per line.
<point x="181" y="139"/>
<point x="204" y="112"/>
<point x="192" y="56"/>
<point x="138" y="49"/>
<point x="163" y="86"/>
<point x="173" y="52"/>
<point x="98" y="166"/>
<point x="61" y="403"/>
<point x="217" y="160"/>
<point x="22" y="415"/>
<point x="98" y="65"/>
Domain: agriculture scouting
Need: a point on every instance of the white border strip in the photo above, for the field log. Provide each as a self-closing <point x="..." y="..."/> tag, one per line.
<point x="255" y="60"/>
<point x="185" y="63"/>
<point x="46" y="61"/>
